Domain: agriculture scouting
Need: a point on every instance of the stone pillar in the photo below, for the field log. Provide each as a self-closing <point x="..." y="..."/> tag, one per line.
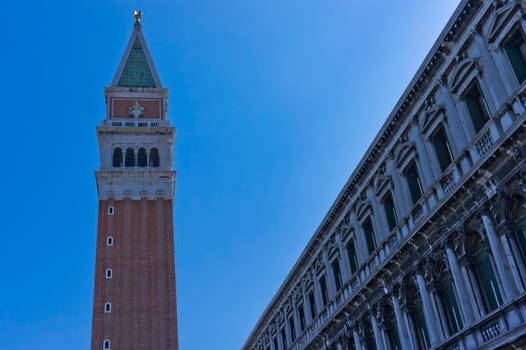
<point x="344" y="258"/>
<point x="403" y="334"/>
<point x="376" y="330"/>
<point x="513" y="264"/>
<point x="317" y="293"/>
<point x="460" y="286"/>
<point x="329" y="275"/>
<point x="400" y="197"/>
<point x="357" y="342"/>
<point x="459" y="138"/>
<point x="494" y="82"/>
<point x="379" y="220"/>
<point x="429" y="314"/>
<point x="269" y="333"/>
<point x="509" y="289"/>
<point x="296" y="317"/>
<point x="306" y="305"/>
<point x="425" y="172"/>
<point x="520" y="266"/>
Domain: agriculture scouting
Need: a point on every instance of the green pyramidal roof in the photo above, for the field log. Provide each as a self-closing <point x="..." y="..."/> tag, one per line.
<point x="136" y="68"/>
<point x="136" y="72"/>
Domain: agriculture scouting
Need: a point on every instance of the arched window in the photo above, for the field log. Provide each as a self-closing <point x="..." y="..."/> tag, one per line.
<point x="107" y="308"/>
<point x="109" y="273"/>
<point x="106" y="344"/>
<point x="129" y="161"/>
<point x="369" y="235"/>
<point x="117" y="157"/>
<point x="483" y="271"/>
<point x="154" y="158"/>
<point x="142" y="159"/>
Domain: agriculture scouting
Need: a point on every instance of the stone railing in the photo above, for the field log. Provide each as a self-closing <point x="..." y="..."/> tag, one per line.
<point x="136" y="123"/>
<point x="485" y="331"/>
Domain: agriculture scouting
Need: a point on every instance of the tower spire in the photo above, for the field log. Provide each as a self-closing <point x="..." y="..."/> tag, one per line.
<point x="136" y="68"/>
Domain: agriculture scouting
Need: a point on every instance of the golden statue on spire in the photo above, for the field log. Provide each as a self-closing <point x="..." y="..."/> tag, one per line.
<point x="137" y="15"/>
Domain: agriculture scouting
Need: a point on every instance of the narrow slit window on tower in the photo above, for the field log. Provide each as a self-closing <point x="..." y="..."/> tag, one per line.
<point x="142" y="159"/>
<point x="129" y="160"/>
<point x="106" y="344"/>
<point x="111" y="210"/>
<point x="107" y="307"/>
<point x="109" y="273"/>
<point x="117" y="157"/>
<point x="109" y="241"/>
<point x="154" y="158"/>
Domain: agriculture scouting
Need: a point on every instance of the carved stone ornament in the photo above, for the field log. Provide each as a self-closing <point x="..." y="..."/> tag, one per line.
<point x="136" y="110"/>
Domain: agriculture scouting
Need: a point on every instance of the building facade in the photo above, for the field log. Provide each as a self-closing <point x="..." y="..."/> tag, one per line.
<point x="425" y="246"/>
<point x="134" y="304"/>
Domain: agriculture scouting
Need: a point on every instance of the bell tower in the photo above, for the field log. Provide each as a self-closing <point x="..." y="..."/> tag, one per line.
<point x="134" y="304"/>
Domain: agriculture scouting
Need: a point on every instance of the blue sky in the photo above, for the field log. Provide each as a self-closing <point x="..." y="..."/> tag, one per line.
<point x="274" y="102"/>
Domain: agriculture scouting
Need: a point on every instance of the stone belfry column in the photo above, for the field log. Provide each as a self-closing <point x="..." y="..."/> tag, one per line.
<point x="134" y="305"/>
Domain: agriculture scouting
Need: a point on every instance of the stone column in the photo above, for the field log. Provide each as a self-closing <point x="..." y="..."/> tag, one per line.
<point x="344" y="258"/>
<point x="425" y="173"/>
<point x="511" y="245"/>
<point x="376" y="330"/>
<point x="509" y="289"/>
<point x="306" y="305"/>
<point x="403" y="334"/>
<point x="429" y="314"/>
<point x="460" y="286"/>
<point x="329" y="275"/>
<point x="459" y="138"/>
<point x="357" y="342"/>
<point x="379" y="220"/>
<point x="495" y="84"/>
<point x="269" y="333"/>
<point x="317" y="293"/>
<point x="296" y="318"/>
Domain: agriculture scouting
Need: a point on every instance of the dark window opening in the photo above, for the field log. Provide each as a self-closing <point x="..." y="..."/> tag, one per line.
<point x="117" y="158"/>
<point x="390" y="211"/>
<point x="283" y="338"/>
<point x="413" y="181"/>
<point x="477" y="108"/>
<point x="142" y="159"/>
<point x="275" y="342"/>
<point x="451" y="309"/>
<point x="351" y="252"/>
<point x="154" y="158"/>
<point x="516" y="50"/>
<point x="292" y="329"/>
<point x="324" y="291"/>
<point x="442" y="148"/>
<point x="337" y="273"/>
<point x="312" y="305"/>
<point x="369" y="235"/>
<point x="301" y="314"/>
<point x="129" y="160"/>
